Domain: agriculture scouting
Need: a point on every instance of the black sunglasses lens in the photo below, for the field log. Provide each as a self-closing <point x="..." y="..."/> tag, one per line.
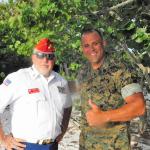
<point x="40" y="55"/>
<point x="50" y="56"/>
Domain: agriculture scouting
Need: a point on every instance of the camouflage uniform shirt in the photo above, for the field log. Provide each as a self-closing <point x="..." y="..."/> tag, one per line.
<point x="104" y="87"/>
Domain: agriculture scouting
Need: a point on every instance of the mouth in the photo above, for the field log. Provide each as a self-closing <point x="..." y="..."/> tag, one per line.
<point x="45" y="66"/>
<point x="93" y="54"/>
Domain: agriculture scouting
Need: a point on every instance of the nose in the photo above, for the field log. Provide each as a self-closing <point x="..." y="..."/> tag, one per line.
<point x="92" y="48"/>
<point x="45" y="59"/>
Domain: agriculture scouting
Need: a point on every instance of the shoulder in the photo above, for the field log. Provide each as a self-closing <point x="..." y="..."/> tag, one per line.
<point x="16" y="76"/>
<point x="58" y="77"/>
<point x="123" y="70"/>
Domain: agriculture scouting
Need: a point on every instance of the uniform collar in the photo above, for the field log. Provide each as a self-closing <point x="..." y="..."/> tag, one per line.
<point x="36" y="74"/>
<point x="52" y="76"/>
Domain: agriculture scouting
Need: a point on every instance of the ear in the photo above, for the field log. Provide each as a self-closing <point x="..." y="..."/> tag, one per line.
<point x="32" y="57"/>
<point x="81" y="48"/>
<point x="55" y="59"/>
<point x="105" y="43"/>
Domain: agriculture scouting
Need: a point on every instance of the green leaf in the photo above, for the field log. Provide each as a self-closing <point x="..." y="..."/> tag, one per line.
<point x="139" y="40"/>
<point x="131" y="26"/>
<point x="110" y="30"/>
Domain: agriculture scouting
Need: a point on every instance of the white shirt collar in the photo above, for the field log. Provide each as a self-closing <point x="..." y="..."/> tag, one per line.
<point x="36" y="74"/>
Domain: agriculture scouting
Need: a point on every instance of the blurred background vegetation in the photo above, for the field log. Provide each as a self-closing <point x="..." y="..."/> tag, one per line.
<point x="125" y="25"/>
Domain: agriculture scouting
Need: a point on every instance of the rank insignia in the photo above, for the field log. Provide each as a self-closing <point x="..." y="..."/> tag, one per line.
<point x="6" y="82"/>
<point x="61" y="89"/>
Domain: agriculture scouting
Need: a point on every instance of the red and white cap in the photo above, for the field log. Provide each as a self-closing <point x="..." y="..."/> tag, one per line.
<point x="45" y="46"/>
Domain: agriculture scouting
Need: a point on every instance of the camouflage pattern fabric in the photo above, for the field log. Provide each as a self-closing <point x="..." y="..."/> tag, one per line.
<point x="103" y="86"/>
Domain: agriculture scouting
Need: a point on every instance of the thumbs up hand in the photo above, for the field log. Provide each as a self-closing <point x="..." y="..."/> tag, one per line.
<point x="95" y="116"/>
<point x="94" y="107"/>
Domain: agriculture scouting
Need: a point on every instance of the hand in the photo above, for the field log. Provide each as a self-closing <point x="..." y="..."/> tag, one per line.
<point x="95" y="116"/>
<point x="11" y="143"/>
<point x="59" y="137"/>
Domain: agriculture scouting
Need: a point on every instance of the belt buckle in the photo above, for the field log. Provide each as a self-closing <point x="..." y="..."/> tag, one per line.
<point x="44" y="142"/>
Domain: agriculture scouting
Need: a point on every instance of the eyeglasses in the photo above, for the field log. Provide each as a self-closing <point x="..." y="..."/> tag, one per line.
<point x="42" y="55"/>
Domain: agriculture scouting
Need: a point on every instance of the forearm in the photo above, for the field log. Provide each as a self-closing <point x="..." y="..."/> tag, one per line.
<point x="66" y="117"/>
<point x="2" y="134"/>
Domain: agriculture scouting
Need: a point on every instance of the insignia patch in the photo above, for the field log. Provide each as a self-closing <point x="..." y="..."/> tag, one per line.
<point x="6" y="82"/>
<point x="34" y="90"/>
<point x="61" y="89"/>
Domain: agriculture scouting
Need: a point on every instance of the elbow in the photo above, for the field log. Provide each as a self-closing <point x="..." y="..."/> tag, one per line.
<point x="142" y="109"/>
<point x="140" y="104"/>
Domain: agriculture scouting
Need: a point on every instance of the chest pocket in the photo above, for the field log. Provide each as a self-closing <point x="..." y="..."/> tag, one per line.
<point x="29" y="101"/>
<point x="62" y="92"/>
<point x="30" y="108"/>
<point x="34" y="98"/>
<point x="59" y="95"/>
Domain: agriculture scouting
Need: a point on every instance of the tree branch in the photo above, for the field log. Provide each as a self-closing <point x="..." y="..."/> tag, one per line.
<point x="121" y="5"/>
<point x="114" y="8"/>
<point x="145" y="70"/>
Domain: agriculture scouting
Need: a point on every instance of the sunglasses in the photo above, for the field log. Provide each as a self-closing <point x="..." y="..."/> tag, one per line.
<point x="42" y="55"/>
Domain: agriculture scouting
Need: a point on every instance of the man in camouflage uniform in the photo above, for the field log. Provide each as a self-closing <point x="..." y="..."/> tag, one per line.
<point x="110" y="97"/>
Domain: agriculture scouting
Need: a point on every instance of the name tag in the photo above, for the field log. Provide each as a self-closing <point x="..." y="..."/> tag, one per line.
<point x="34" y="90"/>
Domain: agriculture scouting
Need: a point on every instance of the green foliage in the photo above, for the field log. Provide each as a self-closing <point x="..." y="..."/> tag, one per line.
<point x="131" y="26"/>
<point x="2" y="76"/>
<point x="24" y="22"/>
<point x="141" y="35"/>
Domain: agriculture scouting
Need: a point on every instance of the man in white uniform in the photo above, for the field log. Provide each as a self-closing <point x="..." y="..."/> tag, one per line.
<point x="39" y="101"/>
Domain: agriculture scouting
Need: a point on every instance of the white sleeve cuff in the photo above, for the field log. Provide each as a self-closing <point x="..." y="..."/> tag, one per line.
<point x="130" y="89"/>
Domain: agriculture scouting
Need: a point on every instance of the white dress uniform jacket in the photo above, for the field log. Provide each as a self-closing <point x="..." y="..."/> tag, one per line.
<point x="36" y="104"/>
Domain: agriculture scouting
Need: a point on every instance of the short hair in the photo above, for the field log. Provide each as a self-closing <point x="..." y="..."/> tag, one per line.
<point x="90" y="30"/>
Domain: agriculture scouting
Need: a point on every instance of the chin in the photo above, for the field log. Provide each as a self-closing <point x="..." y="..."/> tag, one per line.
<point x="44" y="73"/>
<point x="94" y="61"/>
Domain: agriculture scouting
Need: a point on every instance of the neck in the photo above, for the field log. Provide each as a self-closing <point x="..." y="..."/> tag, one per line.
<point x="47" y="75"/>
<point x="96" y="66"/>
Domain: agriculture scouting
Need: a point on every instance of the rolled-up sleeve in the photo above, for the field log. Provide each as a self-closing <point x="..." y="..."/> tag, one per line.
<point x="130" y="89"/>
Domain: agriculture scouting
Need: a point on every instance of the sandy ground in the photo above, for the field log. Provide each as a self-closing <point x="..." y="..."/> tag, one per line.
<point x="71" y="138"/>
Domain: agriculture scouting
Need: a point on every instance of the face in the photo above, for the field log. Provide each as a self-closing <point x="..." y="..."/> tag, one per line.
<point x="93" y="49"/>
<point x="43" y="65"/>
